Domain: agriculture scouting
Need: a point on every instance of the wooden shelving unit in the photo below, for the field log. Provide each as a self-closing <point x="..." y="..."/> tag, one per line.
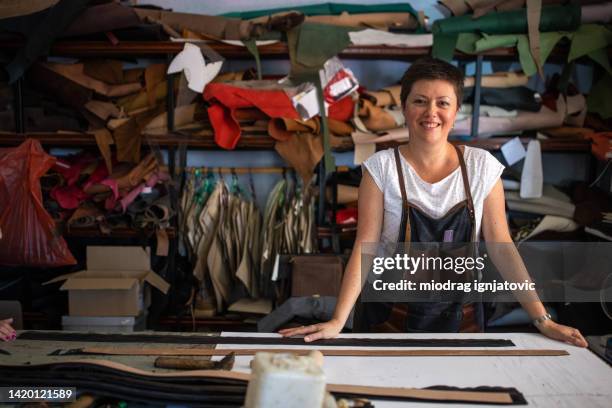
<point x="276" y="50"/>
<point x="165" y="49"/>
<point x="260" y="142"/>
<point x="247" y="141"/>
<point x="119" y="232"/>
<point x="495" y="143"/>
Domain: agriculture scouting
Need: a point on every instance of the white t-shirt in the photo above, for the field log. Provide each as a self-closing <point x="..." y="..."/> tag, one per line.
<point x="434" y="199"/>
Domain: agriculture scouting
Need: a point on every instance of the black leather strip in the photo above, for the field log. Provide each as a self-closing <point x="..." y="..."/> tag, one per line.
<point x="282" y="341"/>
<point x="516" y="395"/>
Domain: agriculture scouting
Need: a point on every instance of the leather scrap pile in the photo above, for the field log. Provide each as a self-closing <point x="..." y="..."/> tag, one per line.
<point x="82" y="192"/>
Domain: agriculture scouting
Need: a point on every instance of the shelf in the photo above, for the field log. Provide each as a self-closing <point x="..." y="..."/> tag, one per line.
<point x="548" y="145"/>
<point x="49" y="138"/>
<point x="260" y="142"/>
<point x="246" y="142"/>
<point x="118" y="232"/>
<point x="277" y="50"/>
<point x="495" y="143"/>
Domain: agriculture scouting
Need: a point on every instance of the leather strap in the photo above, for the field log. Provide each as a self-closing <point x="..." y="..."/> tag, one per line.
<point x="286" y="341"/>
<point x="534" y="13"/>
<point x="432" y="395"/>
<point x="405" y="221"/>
<point x="468" y="191"/>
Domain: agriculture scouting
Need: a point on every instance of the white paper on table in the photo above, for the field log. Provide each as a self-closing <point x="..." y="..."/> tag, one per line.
<point x="513" y="151"/>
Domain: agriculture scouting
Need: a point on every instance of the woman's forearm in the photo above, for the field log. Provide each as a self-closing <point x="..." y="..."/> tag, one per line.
<point x="370" y="209"/>
<point x="351" y="286"/>
<point x="510" y="265"/>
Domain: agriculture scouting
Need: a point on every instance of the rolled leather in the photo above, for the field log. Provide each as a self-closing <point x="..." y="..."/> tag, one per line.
<point x="374" y="118"/>
<point x="518" y="97"/>
<point x="389" y="96"/>
<point x="398" y="21"/>
<point x="282" y="129"/>
<point x="498" y="80"/>
<point x="569" y="110"/>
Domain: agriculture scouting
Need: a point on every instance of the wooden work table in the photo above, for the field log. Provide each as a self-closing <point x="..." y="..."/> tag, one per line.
<point x="580" y="379"/>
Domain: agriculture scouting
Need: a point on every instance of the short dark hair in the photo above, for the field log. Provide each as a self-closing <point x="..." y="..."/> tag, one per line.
<point x="432" y="68"/>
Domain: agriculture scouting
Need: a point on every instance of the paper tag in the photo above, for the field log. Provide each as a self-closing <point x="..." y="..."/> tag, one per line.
<point x="532" y="178"/>
<point x="513" y="151"/>
<point x="340" y="87"/>
<point x="341" y="84"/>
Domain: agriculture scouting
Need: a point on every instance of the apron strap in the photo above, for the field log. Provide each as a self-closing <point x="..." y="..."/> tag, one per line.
<point x="468" y="191"/>
<point x="405" y="223"/>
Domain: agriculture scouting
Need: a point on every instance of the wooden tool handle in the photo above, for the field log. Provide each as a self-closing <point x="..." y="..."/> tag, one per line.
<point x="178" y="363"/>
<point x="184" y="363"/>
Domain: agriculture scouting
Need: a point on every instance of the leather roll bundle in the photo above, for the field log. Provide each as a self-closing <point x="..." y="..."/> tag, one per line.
<point x="210" y="388"/>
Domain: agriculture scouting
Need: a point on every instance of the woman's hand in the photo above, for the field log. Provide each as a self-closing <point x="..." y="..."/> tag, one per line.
<point x="7" y="333"/>
<point x="327" y="330"/>
<point x="562" y="333"/>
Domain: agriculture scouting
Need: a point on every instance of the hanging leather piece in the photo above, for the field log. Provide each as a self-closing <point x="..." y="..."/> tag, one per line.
<point x="104" y="140"/>
<point x="534" y="12"/>
<point x="251" y="46"/>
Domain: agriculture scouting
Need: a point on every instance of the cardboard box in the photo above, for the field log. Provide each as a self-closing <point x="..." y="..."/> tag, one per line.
<point x="113" y="283"/>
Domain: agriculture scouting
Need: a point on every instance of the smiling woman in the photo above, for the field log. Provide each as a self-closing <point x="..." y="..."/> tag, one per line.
<point x="429" y="190"/>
